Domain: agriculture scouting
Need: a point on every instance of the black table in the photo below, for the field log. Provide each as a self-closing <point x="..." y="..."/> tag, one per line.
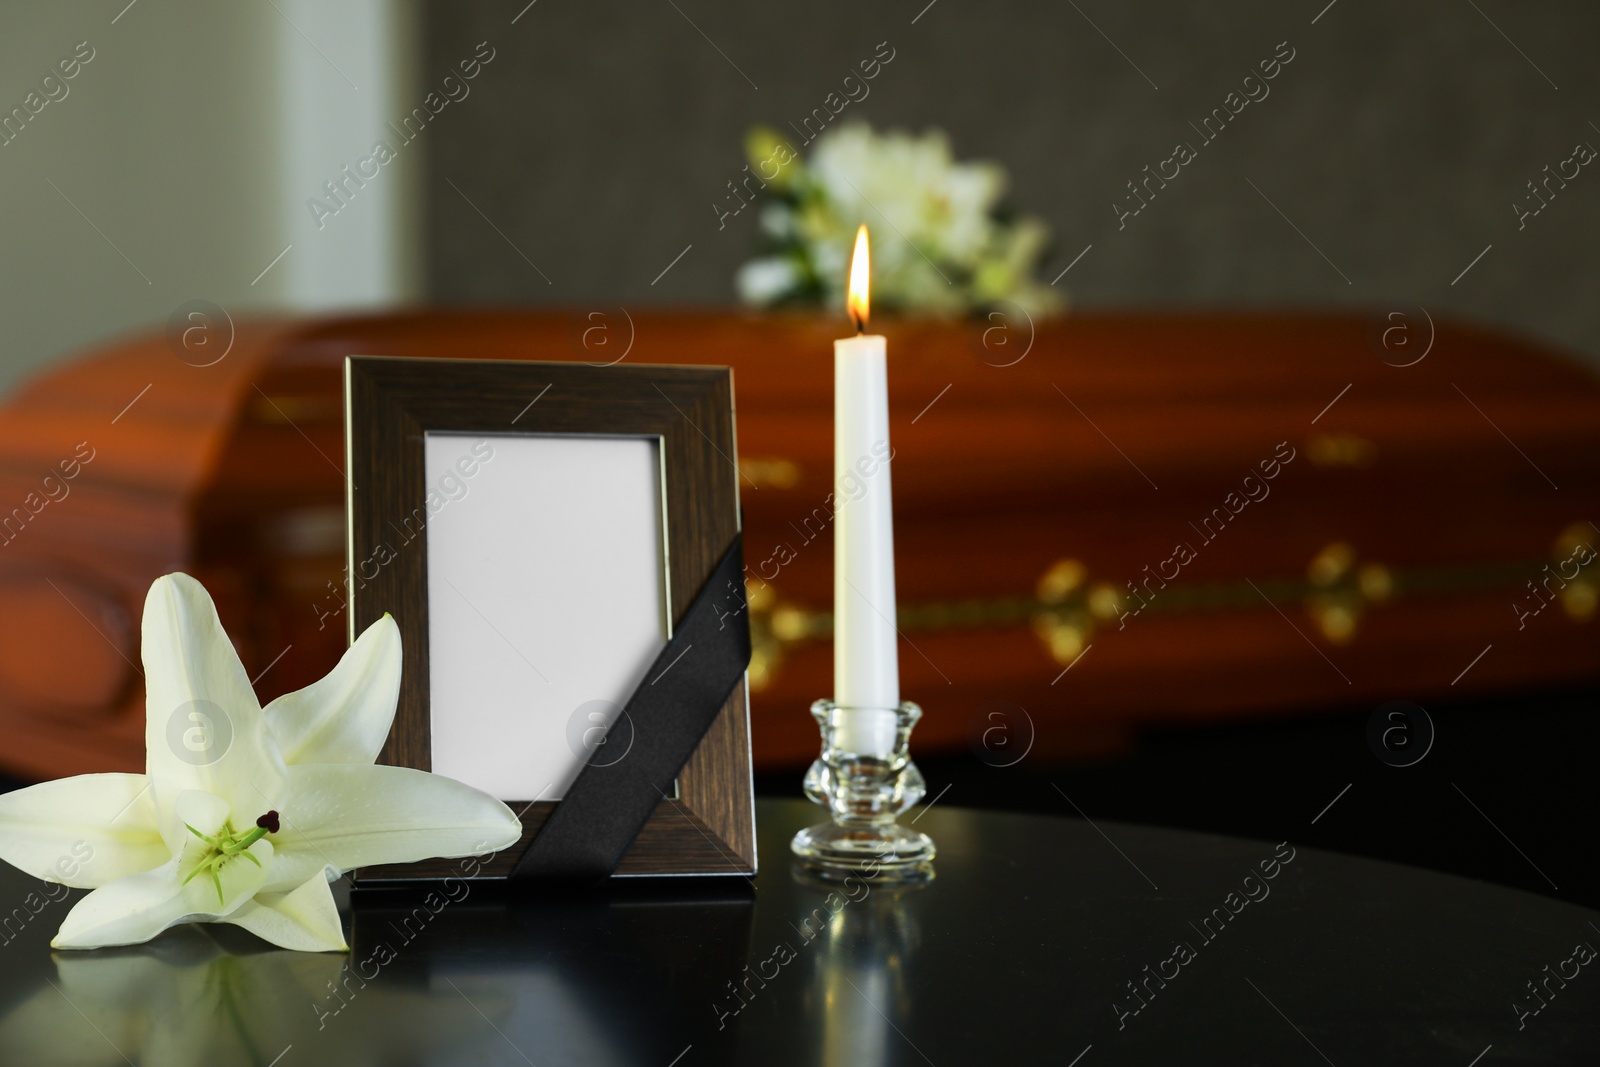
<point x="1041" y="940"/>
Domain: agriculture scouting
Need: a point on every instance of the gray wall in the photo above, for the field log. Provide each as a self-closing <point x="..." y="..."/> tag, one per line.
<point x="1396" y="140"/>
<point x="177" y="164"/>
<point x="115" y="210"/>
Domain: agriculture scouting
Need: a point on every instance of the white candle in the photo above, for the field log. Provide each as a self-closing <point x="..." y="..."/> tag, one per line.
<point x="866" y="668"/>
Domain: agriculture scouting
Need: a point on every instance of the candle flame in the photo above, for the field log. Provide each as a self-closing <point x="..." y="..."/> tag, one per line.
<point x="860" y="275"/>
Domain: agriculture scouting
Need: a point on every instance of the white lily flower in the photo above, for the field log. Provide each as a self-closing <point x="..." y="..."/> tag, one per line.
<point x="244" y="815"/>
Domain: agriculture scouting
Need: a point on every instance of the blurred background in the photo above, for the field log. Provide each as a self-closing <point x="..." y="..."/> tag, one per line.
<point x="601" y="137"/>
<point x="1425" y="156"/>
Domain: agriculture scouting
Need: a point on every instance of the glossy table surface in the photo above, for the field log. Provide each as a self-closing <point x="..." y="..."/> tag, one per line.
<point x="1040" y="939"/>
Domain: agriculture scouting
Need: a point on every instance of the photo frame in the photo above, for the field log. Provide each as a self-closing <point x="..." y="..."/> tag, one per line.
<point x="505" y="512"/>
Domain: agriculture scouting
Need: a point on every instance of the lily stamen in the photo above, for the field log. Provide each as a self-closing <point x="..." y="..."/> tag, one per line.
<point x="225" y="845"/>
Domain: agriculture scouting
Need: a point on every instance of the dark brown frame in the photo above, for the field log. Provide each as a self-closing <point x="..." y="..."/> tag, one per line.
<point x="391" y="403"/>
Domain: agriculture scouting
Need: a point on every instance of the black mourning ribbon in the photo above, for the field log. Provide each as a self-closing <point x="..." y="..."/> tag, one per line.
<point x="681" y="695"/>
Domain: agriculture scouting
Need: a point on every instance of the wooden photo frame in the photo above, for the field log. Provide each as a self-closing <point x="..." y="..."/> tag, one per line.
<point x="497" y="505"/>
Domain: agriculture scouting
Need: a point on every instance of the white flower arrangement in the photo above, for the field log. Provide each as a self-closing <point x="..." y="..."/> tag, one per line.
<point x="942" y="244"/>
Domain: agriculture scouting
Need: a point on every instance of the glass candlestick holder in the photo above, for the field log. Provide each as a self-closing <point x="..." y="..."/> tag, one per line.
<point x="863" y="793"/>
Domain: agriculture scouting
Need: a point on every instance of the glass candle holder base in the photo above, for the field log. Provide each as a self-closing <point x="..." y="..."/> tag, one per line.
<point x="892" y="852"/>
<point x="864" y="791"/>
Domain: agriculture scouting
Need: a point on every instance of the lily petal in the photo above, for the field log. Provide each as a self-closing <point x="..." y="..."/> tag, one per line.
<point x="304" y="919"/>
<point x="344" y="816"/>
<point x="203" y="725"/>
<point x="344" y="717"/>
<point x="132" y="910"/>
<point x="83" y="831"/>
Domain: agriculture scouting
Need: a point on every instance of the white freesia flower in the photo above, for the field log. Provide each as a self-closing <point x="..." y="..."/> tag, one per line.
<point x="761" y="281"/>
<point x="244" y="814"/>
<point x="916" y="182"/>
<point x="941" y="243"/>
